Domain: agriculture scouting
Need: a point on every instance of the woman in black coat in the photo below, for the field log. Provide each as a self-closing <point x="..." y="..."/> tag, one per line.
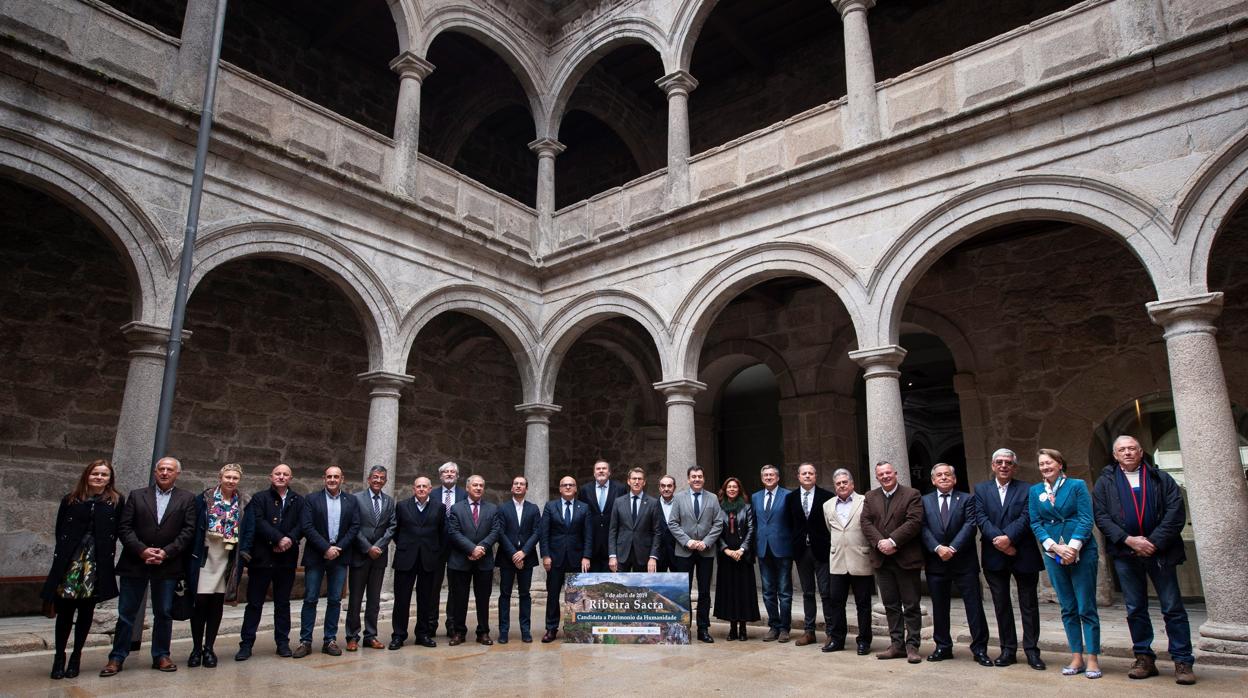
<point x="82" y="564"/>
<point x="736" y="596"/>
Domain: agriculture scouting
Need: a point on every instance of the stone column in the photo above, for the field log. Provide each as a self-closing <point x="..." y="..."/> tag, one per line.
<point x="547" y="149"/>
<point x="412" y="70"/>
<point x="383" y="422"/>
<point x="537" y="449"/>
<point x="1212" y="472"/>
<point x="886" y="424"/>
<point x="186" y="81"/>
<point x="677" y="87"/>
<point x="682" y="437"/>
<point x="863" y="124"/>
<point x="136" y="425"/>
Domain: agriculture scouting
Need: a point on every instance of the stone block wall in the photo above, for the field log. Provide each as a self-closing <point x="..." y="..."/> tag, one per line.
<point x="63" y="300"/>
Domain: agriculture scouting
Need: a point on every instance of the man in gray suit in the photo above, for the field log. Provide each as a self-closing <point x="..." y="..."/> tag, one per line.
<point x="473" y="529"/>
<point x="636" y="527"/>
<point x="368" y="565"/>
<point x="695" y="524"/>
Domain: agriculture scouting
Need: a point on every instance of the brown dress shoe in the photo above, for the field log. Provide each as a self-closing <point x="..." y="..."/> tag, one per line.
<point x="375" y="644"/>
<point x="893" y="652"/>
<point x="164" y="664"/>
<point x="352" y="645"/>
<point x="550" y="636"/>
<point x="456" y="640"/>
<point x="1183" y="674"/>
<point x="913" y="656"/>
<point x="807" y="638"/>
<point x="113" y="668"/>
<point x="484" y="639"/>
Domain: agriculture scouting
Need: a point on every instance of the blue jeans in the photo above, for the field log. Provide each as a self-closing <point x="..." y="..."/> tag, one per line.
<point x="1133" y="575"/>
<point x="312" y="576"/>
<point x="777" y="574"/>
<point x="131" y="594"/>
<point x="1076" y="591"/>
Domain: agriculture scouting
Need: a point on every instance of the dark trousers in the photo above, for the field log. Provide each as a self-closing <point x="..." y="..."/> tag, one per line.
<point x="458" y="581"/>
<point x="940" y="586"/>
<point x="365" y="584"/>
<point x="1028" y="607"/>
<point x="554" y="591"/>
<point x="65" y="612"/>
<point x="599" y="564"/>
<point x="258" y="580"/>
<point x="439" y="574"/>
<point x="508" y="576"/>
<point x="899" y="592"/>
<point x="426" y="603"/>
<point x="703" y="567"/>
<point x="206" y="620"/>
<point x="839" y="586"/>
<point x="1133" y="575"/>
<point x="777" y="576"/>
<point x="131" y="595"/>
<point x="634" y="565"/>
<point x="812" y="573"/>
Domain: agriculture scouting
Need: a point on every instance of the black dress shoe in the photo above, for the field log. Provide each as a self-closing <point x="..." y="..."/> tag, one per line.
<point x="1005" y="659"/>
<point x="832" y="646"/>
<point x="502" y="639"/>
<point x="550" y="636"/>
<point x="705" y="636"/>
<point x="982" y="659"/>
<point x="284" y="651"/>
<point x="195" y="659"/>
<point x="940" y="655"/>
<point x="1034" y="661"/>
<point x="210" y="659"/>
<point x="864" y="648"/>
<point x="526" y="638"/>
<point x="243" y="653"/>
<point x="395" y="644"/>
<point x="426" y="642"/>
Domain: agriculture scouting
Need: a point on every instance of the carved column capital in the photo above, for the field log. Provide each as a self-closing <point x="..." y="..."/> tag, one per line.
<point x="679" y="82"/>
<point x="409" y="65"/>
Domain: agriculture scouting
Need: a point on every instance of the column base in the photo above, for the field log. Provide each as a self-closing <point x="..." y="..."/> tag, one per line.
<point x="1223" y="643"/>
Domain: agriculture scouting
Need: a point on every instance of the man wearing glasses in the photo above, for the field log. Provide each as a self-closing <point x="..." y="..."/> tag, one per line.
<point x="567" y="540"/>
<point x="1009" y="549"/>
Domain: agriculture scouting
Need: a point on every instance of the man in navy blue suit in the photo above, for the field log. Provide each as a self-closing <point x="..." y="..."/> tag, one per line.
<point x="774" y="546"/>
<point x="473" y="528"/>
<point x="1008" y="548"/>
<point x="330" y="523"/>
<point x="600" y="496"/>
<point x="949" y="548"/>
<point x="567" y="536"/>
<point x="517" y="556"/>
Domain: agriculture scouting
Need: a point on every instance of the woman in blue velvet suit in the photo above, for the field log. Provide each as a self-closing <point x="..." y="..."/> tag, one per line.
<point x="1061" y="517"/>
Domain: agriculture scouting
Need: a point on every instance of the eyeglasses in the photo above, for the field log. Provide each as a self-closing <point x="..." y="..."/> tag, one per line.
<point x="1002" y="461"/>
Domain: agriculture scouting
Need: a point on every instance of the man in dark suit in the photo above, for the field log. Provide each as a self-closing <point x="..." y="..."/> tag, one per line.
<point x="892" y="519"/>
<point x="1008" y="548"/>
<point x="566" y="542"/>
<point x="155" y="529"/>
<point x="447" y="493"/>
<point x="517" y="556"/>
<point x="773" y="540"/>
<point x="368" y="564"/>
<point x="275" y="519"/>
<point x="473" y="529"/>
<point x="600" y="496"/>
<point x="949" y="544"/>
<point x="331" y="523"/>
<point x="696" y="522"/>
<point x="636" y="527"/>
<point x="667" y="543"/>
<point x="420" y="528"/>
<point x="803" y="509"/>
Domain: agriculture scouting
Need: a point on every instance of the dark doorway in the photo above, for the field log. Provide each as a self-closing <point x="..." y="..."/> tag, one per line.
<point x="749" y="425"/>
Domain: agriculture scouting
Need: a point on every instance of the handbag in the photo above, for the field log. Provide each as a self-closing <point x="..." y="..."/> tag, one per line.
<point x="183" y="605"/>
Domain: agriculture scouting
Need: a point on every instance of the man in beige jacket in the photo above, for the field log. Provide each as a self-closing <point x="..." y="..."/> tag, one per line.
<point x="849" y="563"/>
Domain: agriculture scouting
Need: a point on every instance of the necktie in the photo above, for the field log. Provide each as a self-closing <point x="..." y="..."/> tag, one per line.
<point x="567" y="513"/>
<point x="446" y="500"/>
<point x="767" y="504"/>
<point x="634" y="507"/>
<point x="377" y="508"/>
<point x="806" y="502"/>
<point x="944" y="510"/>
<point x="476" y="513"/>
<point x="697" y="504"/>
<point x="602" y="497"/>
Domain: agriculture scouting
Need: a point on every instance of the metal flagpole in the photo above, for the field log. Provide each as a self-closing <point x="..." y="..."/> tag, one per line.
<point x="174" y="351"/>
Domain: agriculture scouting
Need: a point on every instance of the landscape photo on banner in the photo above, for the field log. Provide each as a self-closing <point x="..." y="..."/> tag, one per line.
<point x="626" y="608"/>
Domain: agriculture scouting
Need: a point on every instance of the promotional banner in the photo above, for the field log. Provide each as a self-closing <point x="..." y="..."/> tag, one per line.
<point x="626" y="608"/>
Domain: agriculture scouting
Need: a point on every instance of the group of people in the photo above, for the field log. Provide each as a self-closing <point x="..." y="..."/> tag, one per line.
<point x="191" y="550"/>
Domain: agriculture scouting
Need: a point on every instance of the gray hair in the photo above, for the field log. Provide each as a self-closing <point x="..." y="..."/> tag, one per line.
<point x="447" y="466"/>
<point x="176" y="463"/>
<point x="884" y="462"/>
<point x="767" y="467"/>
<point x="842" y="471"/>
<point x="378" y="469"/>
<point x="1004" y="452"/>
<point x="1124" y="437"/>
